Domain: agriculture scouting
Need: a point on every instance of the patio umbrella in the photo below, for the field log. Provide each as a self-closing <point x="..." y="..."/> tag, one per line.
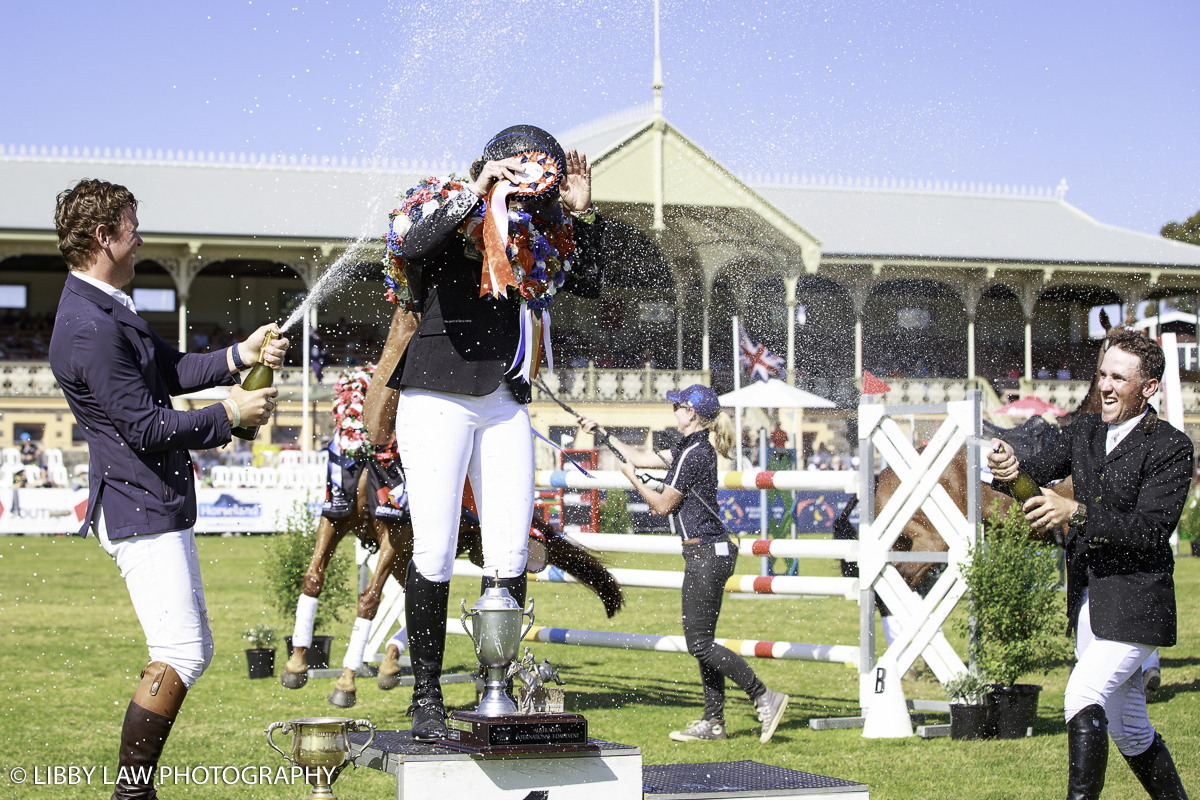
<point x="1029" y="406"/>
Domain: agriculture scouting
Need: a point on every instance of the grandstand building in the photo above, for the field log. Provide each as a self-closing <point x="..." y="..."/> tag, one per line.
<point x="936" y="287"/>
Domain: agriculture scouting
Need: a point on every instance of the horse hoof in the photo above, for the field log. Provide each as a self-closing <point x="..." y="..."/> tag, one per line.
<point x="387" y="681"/>
<point x="342" y="698"/>
<point x="293" y="680"/>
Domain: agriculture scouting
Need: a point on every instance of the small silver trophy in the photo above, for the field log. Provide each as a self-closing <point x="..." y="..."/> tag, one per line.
<point x="496" y="632"/>
<point x="320" y="746"/>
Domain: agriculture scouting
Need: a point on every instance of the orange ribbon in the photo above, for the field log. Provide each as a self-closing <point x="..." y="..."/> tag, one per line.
<point x="497" y="273"/>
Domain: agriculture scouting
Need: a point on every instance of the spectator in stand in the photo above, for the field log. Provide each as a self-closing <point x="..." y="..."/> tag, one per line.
<point x="1043" y="373"/>
<point x="1064" y="372"/>
<point x="778" y="437"/>
<point x="30" y="450"/>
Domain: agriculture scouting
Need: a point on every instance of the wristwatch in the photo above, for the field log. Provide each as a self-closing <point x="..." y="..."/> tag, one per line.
<point x="1079" y="518"/>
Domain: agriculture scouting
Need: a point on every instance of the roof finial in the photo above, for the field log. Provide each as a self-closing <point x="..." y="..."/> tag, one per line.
<point x="658" y="81"/>
<point x="1060" y="192"/>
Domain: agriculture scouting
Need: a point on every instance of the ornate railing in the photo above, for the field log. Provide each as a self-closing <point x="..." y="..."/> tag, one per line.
<point x="594" y="384"/>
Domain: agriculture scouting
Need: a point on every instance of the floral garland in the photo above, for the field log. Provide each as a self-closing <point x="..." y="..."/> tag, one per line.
<point x="540" y="247"/>
<point x="350" y="431"/>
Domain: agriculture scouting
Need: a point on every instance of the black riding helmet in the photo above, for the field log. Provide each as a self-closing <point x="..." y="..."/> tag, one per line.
<point x="521" y="139"/>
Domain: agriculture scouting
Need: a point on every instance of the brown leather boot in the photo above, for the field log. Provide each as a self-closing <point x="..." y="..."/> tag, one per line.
<point x="148" y="721"/>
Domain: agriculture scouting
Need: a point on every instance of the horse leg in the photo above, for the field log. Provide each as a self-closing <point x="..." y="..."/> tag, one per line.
<point x="344" y="689"/>
<point x="329" y="534"/>
<point x="400" y="539"/>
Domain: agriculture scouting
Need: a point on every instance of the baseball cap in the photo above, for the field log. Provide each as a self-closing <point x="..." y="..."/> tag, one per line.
<point x="697" y="397"/>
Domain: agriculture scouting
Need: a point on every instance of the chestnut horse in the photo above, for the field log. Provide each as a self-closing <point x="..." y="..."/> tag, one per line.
<point x="395" y="540"/>
<point x="921" y="536"/>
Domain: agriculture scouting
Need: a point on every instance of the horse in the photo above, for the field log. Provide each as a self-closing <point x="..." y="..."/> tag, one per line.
<point x="919" y="533"/>
<point x="395" y="539"/>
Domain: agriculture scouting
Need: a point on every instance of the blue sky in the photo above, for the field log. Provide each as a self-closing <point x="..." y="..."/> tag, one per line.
<point x="1103" y="94"/>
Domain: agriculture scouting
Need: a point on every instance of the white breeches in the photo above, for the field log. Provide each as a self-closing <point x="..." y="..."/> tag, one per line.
<point x="162" y="573"/>
<point x="1109" y="674"/>
<point x="444" y="438"/>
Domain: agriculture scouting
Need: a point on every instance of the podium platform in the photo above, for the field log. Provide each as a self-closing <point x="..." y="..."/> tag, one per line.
<point x="611" y="772"/>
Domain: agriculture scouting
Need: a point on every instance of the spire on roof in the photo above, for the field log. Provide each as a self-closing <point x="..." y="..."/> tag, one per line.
<point x="658" y="80"/>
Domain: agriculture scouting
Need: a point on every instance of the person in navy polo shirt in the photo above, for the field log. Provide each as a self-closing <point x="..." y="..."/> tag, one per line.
<point x="689" y="502"/>
<point x="118" y="377"/>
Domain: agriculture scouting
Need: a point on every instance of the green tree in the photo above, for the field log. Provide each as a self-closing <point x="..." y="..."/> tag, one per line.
<point x="614" y="512"/>
<point x="1017" y="609"/>
<point x="288" y="554"/>
<point x="1186" y="231"/>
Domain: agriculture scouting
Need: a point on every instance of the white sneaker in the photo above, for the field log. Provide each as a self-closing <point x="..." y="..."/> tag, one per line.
<point x="701" y="730"/>
<point x="770" y="709"/>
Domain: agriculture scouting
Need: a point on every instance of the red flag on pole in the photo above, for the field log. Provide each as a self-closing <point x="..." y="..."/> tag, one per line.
<point x="872" y="385"/>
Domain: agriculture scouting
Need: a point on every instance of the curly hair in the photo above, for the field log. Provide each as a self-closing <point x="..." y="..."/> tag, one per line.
<point x="81" y="209"/>
<point x="1145" y="348"/>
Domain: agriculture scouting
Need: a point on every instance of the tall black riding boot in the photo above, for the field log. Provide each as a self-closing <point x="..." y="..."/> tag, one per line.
<point x="517" y="586"/>
<point x="1156" y="770"/>
<point x="148" y="721"/>
<point x="425" y="605"/>
<point x="1087" y="743"/>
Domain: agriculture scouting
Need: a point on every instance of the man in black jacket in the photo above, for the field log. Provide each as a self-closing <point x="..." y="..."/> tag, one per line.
<point x="1131" y="474"/>
<point x="118" y="377"/>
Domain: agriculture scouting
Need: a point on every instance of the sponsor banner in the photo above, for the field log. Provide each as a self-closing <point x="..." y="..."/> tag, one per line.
<point x="58" y="511"/>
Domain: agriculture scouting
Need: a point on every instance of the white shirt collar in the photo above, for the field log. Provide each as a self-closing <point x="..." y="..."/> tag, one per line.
<point x="1118" y="432"/>
<point x="108" y="289"/>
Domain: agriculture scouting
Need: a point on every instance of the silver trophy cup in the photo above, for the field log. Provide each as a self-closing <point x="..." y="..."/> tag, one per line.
<point x="321" y="747"/>
<point x="496" y="632"/>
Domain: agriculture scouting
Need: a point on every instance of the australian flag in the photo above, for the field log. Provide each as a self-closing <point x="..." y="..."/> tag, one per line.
<point x="761" y="362"/>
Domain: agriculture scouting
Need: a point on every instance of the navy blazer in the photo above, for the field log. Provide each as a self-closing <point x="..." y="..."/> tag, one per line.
<point x="1134" y="496"/>
<point x="118" y="376"/>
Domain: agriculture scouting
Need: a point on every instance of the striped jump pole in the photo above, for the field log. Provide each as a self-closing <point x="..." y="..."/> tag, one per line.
<point x="790" y="480"/>
<point x="748" y="648"/>
<point x="846" y="550"/>
<point x="798" y="586"/>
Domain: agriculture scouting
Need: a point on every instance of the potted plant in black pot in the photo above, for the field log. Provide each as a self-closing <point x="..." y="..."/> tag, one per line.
<point x="1017" y="614"/>
<point x="970" y="716"/>
<point x="260" y="656"/>
<point x="288" y="555"/>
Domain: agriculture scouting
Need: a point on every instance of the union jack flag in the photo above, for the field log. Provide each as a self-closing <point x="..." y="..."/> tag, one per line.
<point x="761" y="362"/>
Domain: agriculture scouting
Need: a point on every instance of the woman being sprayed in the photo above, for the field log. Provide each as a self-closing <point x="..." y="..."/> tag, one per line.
<point x="464" y="378"/>
<point x="689" y="502"/>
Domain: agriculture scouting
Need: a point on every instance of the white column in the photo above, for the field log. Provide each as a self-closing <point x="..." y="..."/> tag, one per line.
<point x="306" y="421"/>
<point x="970" y="346"/>
<point x="704" y="342"/>
<point x="858" y="345"/>
<point x="678" y="336"/>
<point x="790" y="285"/>
<point x="737" y="384"/>
<point x="1028" y="348"/>
<point x="181" y="301"/>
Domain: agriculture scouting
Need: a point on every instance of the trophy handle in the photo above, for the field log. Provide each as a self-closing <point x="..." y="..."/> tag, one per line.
<point x="527" y="613"/>
<point x="274" y="726"/>
<point x="359" y="723"/>
<point x="465" y="616"/>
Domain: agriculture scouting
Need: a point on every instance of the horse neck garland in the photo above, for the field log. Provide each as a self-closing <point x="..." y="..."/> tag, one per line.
<point x="539" y="248"/>
<point x="350" y="431"/>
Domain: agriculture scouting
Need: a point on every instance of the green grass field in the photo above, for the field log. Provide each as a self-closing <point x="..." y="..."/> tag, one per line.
<point x="72" y="650"/>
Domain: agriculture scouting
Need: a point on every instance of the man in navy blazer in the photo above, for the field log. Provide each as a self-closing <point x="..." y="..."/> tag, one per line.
<point x="119" y="377"/>
<point x="1131" y="473"/>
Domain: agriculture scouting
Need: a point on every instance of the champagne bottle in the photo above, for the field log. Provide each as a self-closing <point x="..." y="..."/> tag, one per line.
<point x="1024" y="487"/>
<point x="260" y="377"/>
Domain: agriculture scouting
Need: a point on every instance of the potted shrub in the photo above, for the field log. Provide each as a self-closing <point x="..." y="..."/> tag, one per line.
<point x="288" y="555"/>
<point x="969" y="717"/>
<point x="1016" y="612"/>
<point x="261" y="655"/>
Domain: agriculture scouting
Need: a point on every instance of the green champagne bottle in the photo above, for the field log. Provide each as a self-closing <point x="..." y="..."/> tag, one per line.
<point x="1024" y="487"/>
<point x="260" y="377"/>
